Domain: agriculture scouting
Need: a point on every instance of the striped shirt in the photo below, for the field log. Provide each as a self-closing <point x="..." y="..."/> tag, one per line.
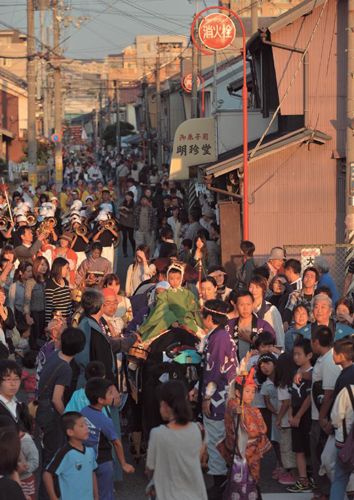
<point x="57" y="298"/>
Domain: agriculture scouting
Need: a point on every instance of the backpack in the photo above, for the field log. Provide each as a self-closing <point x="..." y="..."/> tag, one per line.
<point x="346" y="454"/>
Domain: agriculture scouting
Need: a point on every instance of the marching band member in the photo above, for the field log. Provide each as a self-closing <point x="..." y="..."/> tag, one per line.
<point x="105" y="231"/>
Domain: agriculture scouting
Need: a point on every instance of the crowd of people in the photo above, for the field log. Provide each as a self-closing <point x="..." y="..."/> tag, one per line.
<point x="203" y="372"/>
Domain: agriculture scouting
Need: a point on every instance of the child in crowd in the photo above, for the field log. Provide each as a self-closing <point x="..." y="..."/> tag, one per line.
<point x="79" y="400"/>
<point x="285" y="371"/>
<point x="342" y="414"/>
<point x="175" y="307"/>
<point x="28" y="460"/>
<point x="300" y="419"/>
<point x="74" y="465"/>
<point x="54" y="390"/>
<point x="10" y="449"/>
<point x="265" y="376"/>
<point x="22" y="345"/>
<point x="245" y="442"/>
<point x="10" y="381"/>
<point x="301" y="317"/>
<point x="29" y="382"/>
<point x="102" y="434"/>
<point x="343" y="355"/>
<point x="53" y="331"/>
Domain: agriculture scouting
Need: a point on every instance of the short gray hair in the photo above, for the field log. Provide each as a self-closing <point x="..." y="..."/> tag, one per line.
<point x="322" y="264"/>
<point x="322" y="297"/>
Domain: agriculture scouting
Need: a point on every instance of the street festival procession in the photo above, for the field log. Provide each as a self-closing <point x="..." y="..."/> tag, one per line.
<point x="176" y="249"/>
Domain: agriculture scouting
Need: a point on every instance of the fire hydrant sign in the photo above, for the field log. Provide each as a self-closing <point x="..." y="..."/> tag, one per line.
<point x="194" y="144"/>
<point x="217" y="31"/>
<point x="308" y="256"/>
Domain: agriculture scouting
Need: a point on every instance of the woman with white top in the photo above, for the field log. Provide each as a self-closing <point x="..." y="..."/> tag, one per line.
<point x="139" y="271"/>
<point x="175" y="449"/>
<point x="265" y="310"/>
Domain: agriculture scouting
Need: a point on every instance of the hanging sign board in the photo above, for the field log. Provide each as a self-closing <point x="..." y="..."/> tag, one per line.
<point x="194" y="144"/>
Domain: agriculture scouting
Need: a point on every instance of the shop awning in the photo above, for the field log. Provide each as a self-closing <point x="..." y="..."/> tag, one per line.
<point x="303" y="135"/>
<point x="6" y="133"/>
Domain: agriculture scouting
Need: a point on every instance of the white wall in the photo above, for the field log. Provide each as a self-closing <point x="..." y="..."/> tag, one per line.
<point x="230" y="128"/>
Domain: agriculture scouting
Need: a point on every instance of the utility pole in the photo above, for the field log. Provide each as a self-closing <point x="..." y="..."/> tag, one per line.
<point x="57" y="96"/>
<point x="117" y="108"/>
<point x="100" y="116"/>
<point x="194" y="95"/>
<point x="158" y="108"/>
<point x="31" y="102"/>
<point x="254" y="15"/>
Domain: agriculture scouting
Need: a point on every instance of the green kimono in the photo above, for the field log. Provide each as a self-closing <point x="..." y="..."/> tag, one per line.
<point x="174" y="305"/>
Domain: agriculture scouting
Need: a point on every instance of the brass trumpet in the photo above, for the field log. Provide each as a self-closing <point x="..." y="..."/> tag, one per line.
<point x="4" y="223"/>
<point x="47" y="225"/>
<point x="31" y="219"/>
<point x="108" y="224"/>
<point x="81" y="230"/>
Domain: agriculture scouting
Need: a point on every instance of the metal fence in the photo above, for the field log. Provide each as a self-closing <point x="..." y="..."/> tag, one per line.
<point x="337" y="256"/>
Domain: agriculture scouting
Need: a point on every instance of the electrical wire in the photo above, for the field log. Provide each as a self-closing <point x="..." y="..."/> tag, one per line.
<point x="257" y="146"/>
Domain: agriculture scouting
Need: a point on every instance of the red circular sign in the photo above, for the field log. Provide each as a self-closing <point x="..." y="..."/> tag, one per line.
<point x="187" y="82"/>
<point x="217" y="31"/>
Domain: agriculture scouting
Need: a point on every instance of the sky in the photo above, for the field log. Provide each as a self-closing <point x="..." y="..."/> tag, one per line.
<point x="107" y="26"/>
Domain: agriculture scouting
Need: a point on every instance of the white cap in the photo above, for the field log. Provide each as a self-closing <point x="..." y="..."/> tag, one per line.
<point x="102" y="216"/>
<point x="106" y="207"/>
<point x="21" y="218"/>
<point x="77" y="205"/>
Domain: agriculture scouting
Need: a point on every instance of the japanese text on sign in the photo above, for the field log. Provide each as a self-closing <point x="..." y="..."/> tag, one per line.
<point x="217" y="31"/>
<point x="308" y="256"/>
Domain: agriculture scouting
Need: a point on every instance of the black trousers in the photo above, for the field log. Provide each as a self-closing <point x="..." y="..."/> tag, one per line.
<point x="128" y="232"/>
<point x="37" y="329"/>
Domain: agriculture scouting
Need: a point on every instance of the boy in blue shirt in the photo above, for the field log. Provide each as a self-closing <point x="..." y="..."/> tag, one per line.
<point x="102" y="434"/>
<point x="70" y="475"/>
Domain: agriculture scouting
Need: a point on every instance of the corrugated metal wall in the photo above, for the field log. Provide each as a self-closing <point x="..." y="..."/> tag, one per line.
<point x="294" y="192"/>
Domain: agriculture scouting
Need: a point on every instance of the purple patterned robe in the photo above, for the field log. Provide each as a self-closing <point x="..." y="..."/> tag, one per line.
<point x="219" y="369"/>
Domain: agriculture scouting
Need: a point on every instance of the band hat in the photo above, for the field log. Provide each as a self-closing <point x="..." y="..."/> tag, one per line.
<point x="21" y="218"/>
<point x="75" y="219"/>
<point x="106" y="207"/>
<point x="90" y="197"/>
<point x="76" y="205"/>
<point x="75" y="213"/>
<point x="17" y="213"/>
<point x="277" y="254"/>
<point x="102" y="216"/>
<point x="66" y="236"/>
